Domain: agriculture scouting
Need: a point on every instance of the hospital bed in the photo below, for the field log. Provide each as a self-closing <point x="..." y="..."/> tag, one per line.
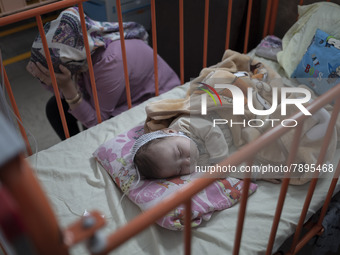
<point x="74" y="184"/>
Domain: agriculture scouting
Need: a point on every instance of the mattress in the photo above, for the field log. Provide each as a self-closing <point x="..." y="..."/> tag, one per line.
<point x="75" y="182"/>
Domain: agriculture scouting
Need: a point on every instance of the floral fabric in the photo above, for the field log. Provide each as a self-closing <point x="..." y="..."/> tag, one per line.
<point x="114" y="155"/>
<point x="65" y="39"/>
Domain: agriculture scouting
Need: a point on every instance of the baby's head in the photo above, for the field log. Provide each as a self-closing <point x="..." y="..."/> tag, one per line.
<point x="164" y="153"/>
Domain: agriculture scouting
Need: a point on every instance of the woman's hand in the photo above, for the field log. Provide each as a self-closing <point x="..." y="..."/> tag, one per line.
<point x="64" y="79"/>
<point x="40" y="72"/>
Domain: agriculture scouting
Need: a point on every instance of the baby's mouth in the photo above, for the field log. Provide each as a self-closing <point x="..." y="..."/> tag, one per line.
<point x="193" y="159"/>
<point x="192" y="166"/>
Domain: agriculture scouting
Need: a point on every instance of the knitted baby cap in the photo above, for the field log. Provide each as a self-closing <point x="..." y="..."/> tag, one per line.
<point x="145" y="138"/>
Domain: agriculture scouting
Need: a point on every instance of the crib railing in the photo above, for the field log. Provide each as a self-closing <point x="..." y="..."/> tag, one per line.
<point x="18" y="178"/>
<point x="37" y="12"/>
<point x="246" y="154"/>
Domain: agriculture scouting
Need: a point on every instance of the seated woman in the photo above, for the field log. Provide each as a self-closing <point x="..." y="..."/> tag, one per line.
<point x="68" y="55"/>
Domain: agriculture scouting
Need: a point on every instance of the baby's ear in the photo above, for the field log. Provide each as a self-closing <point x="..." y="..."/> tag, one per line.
<point x="169" y="131"/>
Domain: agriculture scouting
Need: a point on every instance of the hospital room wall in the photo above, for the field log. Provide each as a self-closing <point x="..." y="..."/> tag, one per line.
<point x="168" y="36"/>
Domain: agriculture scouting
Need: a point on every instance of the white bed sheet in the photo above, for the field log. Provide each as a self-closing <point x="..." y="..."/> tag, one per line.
<point x="75" y="182"/>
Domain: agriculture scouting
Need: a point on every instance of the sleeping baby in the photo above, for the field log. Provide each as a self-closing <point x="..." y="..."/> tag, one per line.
<point x="192" y="141"/>
<point x="177" y="150"/>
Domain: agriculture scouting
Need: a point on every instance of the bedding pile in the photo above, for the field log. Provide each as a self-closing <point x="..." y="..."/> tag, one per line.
<point x="264" y="83"/>
<point x="323" y="16"/>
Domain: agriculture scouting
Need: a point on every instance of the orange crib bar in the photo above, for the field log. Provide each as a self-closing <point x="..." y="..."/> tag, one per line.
<point x="187" y="228"/>
<point x="205" y="37"/>
<point x="284" y="189"/>
<point x="274" y="8"/>
<point x="246" y="39"/>
<point x="317" y="229"/>
<point x="122" y="40"/>
<point x="242" y="211"/>
<point x="148" y="217"/>
<point x="312" y="185"/>
<point x="266" y="20"/>
<point x="89" y="62"/>
<point x="154" y="44"/>
<point x="230" y="8"/>
<point x="52" y="74"/>
<point x="329" y="194"/>
<point x="181" y="40"/>
<point x="37" y="11"/>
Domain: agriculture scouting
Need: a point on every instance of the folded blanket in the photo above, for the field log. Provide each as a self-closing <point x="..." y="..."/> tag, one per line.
<point x="262" y="80"/>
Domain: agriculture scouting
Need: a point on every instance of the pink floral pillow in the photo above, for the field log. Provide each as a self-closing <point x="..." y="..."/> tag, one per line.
<point x="114" y="156"/>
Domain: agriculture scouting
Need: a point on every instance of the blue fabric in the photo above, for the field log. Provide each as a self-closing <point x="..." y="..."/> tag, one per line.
<point x="330" y="239"/>
<point x="319" y="68"/>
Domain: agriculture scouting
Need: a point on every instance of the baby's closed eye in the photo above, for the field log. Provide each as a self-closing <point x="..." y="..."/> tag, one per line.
<point x="179" y="152"/>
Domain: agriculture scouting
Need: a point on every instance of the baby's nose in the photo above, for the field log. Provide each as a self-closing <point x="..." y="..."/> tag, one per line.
<point x="186" y="164"/>
<point x="188" y="161"/>
<point x="185" y="161"/>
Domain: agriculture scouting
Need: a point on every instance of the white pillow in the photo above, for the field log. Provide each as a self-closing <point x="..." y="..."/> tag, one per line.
<point x="323" y="15"/>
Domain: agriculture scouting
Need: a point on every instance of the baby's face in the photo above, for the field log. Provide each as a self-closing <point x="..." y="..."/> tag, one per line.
<point x="174" y="155"/>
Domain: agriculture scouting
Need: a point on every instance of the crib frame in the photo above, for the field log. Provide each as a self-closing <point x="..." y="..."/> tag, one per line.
<point x="18" y="178"/>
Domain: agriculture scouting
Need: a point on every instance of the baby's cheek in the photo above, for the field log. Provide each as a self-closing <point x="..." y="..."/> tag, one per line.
<point x="194" y="154"/>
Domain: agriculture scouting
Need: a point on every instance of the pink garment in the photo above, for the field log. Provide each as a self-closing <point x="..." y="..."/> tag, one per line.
<point x="110" y="82"/>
